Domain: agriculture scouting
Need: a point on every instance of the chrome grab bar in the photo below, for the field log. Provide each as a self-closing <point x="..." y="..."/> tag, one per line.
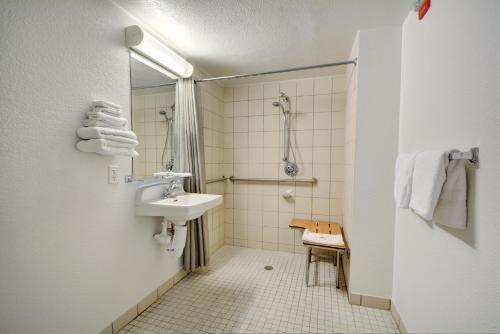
<point x="263" y="179"/>
<point x="220" y="179"/>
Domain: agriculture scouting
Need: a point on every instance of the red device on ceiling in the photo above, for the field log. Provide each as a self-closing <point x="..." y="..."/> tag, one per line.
<point x="424" y="8"/>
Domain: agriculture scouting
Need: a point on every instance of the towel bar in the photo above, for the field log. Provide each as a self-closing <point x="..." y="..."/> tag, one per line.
<point x="472" y="155"/>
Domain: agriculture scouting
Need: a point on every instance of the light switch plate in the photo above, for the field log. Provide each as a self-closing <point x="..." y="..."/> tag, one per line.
<point x="113" y="174"/>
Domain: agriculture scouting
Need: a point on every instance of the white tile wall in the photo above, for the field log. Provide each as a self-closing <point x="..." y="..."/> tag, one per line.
<point x="214" y="126"/>
<point x="150" y="128"/>
<point x="256" y="215"/>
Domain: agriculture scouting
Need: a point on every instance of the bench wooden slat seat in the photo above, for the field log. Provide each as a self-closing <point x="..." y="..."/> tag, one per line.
<point x="323" y="227"/>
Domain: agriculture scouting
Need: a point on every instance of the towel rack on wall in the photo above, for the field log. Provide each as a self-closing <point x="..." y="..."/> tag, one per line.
<point x="472" y="155"/>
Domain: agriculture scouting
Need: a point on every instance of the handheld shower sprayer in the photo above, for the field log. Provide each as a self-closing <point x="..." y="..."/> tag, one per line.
<point x="291" y="168"/>
<point x="169" y="118"/>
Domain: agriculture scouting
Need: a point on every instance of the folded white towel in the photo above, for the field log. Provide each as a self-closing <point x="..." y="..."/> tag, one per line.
<point x="108" y="111"/>
<point x="100" y="116"/>
<point x="104" y="124"/>
<point x="104" y="147"/>
<point x="105" y="104"/>
<point x="451" y="209"/>
<point x="403" y="179"/>
<point x="429" y="174"/>
<point x="111" y="143"/>
<point x="323" y="238"/>
<point x="95" y="132"/>
<point x="119" y="139"/>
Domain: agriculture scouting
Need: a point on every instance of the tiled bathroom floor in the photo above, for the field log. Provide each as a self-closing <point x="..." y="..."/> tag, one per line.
<point x="236" y="295"/>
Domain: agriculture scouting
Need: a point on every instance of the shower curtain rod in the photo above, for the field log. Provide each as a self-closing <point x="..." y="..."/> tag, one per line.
<point x="237" y="76"/>
<point x="293" y="69"/>
<point x="154" y="86"/>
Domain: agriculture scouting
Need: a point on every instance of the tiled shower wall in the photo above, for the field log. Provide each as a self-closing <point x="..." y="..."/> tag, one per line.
<point x="256" y="214"/>
<point x="211" y="105"/>
<point x="150" y="128"/>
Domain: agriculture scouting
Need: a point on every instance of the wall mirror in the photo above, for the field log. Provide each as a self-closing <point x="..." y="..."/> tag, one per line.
<point x="153" y="115"/>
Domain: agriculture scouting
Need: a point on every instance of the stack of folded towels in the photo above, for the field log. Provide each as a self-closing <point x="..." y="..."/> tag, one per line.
<point x="105" y="131"/>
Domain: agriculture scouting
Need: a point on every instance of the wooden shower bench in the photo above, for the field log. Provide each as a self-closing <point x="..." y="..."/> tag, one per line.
<point x="323" y="227"/>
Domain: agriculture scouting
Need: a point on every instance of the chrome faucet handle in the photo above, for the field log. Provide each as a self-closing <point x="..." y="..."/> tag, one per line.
<point x="174" y="188"/>
<point x="167" y="191"/>
<point x="177" y="187"/>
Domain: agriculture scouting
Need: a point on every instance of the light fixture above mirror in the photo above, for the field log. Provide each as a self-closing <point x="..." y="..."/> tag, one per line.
<point x="153" y="65"/>
<point x="149" y="47"/>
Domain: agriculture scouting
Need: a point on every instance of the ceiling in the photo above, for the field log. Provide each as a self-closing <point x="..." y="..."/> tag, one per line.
<point x="223" y="37"/>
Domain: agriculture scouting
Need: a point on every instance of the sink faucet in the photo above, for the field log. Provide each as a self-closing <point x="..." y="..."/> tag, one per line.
<point x="170" y="165"/>
<point x="173" y="189"/>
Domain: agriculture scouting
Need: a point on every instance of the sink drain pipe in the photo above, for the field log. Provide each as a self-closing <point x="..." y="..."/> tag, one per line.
<point x="172" y="236"/>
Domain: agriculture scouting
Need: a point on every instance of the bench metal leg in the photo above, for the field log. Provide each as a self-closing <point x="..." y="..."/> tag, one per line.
<point x="337" y="272"/>
<point x="308" y="262"/>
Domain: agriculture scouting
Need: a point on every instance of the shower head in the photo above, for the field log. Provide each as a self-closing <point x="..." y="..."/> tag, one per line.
<point x="278" y="104"/>
<point x="165" y="114"/>
<point x="286" y="99"/>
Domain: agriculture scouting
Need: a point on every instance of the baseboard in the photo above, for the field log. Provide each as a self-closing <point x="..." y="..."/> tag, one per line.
<point x="397" y="319"/>
<point x="143" y="304"/>
<point x="369" y="301"/>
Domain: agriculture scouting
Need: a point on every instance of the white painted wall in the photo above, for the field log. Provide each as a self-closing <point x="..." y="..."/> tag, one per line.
<point x="351" y="109"/>
<point x="72" y="255"/>
<point x="447" y="280"/>
<point x="373" y="108"/>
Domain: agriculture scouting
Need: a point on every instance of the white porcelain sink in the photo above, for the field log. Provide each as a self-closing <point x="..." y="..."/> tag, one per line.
<point x="185" y="206"/>
<point x="180" y="208"/>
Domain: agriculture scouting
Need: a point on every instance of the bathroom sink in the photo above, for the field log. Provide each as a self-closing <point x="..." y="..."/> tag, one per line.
<point x="179" y="208"/>
<point x="166" y="198"/>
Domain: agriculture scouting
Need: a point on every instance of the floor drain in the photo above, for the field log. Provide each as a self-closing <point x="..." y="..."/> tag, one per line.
<point x="268" y="267"/>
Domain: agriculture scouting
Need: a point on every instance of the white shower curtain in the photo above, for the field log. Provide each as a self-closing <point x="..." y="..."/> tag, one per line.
<point x="189" y="158"/>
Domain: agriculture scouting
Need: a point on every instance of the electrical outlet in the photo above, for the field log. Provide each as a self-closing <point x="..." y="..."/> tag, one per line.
<point x="113" y="174"/>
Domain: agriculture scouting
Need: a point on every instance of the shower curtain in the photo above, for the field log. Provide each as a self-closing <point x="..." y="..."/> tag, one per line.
<point x="189" y="158"/>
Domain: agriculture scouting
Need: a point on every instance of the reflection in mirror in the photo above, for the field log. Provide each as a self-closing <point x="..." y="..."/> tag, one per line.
<point x="153" y="110"/>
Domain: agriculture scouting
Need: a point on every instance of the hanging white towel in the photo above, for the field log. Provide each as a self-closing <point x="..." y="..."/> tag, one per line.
<point x="451" y="209"/>
<point x="95" y="132"/>
<point x="105" y="104"/>
<point x="105" y="147"/>
<point x="403" y="179"/>
<point x="429" y="174"/>
<point x="323" y="238"/>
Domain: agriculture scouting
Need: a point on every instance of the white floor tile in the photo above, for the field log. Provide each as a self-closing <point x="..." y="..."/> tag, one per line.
<point x="236" y="295"/>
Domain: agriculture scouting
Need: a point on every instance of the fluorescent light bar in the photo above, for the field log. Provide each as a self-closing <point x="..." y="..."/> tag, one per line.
<point x="149" y="47"/>
<point x="154" y="66"/>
